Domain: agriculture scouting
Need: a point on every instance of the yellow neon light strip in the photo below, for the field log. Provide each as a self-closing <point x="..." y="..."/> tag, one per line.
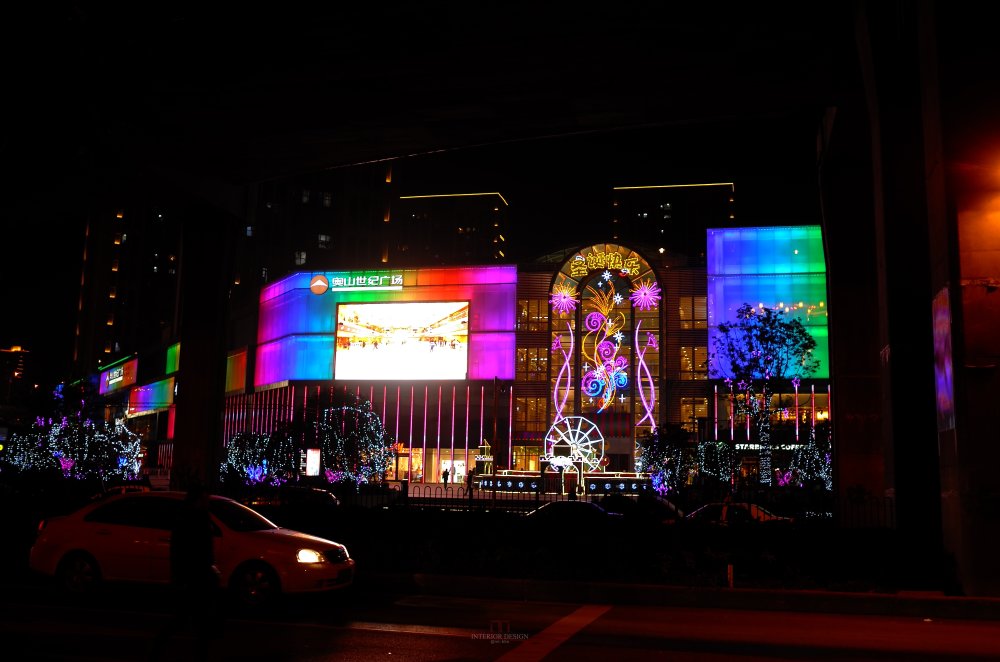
<point x="451" y="195"/>
<point x="731" y="185"/>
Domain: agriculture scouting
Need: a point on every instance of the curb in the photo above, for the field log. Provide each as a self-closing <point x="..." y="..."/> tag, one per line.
<point x="876" y="604"/>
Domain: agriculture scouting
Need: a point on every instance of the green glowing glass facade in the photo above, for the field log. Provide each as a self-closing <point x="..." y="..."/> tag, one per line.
<point x="774" y="266"/>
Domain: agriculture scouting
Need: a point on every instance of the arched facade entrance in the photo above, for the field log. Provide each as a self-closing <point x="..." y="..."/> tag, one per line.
<point x="605" y="356"/>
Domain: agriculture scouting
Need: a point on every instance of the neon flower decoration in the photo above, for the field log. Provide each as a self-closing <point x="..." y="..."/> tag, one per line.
<point x="646" y="295"/>
<point x="648" y="397"/>
<point x="564" y="379"/>
<point x="563" y="299"/>
<point x="609" y="371"/>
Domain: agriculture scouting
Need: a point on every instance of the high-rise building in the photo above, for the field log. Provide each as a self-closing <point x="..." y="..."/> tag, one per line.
<point x="129" y="283"/>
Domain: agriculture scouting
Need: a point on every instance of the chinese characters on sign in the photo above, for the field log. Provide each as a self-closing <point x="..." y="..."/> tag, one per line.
<point x="582" y="264"/>
<point x="367" y="281"/>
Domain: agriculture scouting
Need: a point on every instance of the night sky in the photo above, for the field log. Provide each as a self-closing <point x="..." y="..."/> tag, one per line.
<point x="568" y="103"/>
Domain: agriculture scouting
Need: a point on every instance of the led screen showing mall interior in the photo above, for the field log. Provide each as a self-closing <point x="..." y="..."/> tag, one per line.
<point x="406" y="340"/>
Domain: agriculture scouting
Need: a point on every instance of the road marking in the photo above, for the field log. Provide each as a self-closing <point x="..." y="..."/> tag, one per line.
<point x="549" y="639"/>
<point x="434" y="630"/>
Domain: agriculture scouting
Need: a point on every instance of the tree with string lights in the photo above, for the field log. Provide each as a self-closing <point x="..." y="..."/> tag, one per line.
<point x="354" y="444"/>
<point x="760" y="353"/>
<point x="813" y="463"/>
<point x="662" y="455"/>
<point x="258" y="459"/>
<point x="75" y="448"/>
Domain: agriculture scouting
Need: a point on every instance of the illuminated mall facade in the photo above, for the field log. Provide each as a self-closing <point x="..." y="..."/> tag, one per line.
<point x="510" y="369"/>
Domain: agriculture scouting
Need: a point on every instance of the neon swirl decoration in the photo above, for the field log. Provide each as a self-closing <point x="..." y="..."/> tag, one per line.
<point x="565" y="373"/>
<point x="600" y="347"/>
<point x="648" y="400"/>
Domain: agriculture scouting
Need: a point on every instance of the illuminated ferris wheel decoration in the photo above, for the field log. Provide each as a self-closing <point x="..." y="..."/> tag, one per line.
<point x="583" y="437"/>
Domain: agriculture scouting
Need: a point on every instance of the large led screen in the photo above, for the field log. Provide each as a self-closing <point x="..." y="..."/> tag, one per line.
<point x="402" y="340"/>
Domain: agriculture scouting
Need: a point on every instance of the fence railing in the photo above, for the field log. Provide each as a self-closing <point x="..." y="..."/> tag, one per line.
<point x="847" y="511"/>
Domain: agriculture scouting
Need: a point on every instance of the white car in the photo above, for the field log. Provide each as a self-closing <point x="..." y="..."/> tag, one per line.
<point x="127" y="538"/>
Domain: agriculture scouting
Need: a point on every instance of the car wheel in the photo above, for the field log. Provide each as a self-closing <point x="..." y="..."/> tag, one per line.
<point x="255" y="585"/>
<point x="79" y="573"/>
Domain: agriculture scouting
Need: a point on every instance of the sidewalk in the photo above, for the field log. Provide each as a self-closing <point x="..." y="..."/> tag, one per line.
<point x="915" y="605"/>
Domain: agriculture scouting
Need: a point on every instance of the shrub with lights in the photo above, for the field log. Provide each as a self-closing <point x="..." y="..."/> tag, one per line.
<point x="76" y="448"/>
<point x="258" y="459"/>
<point x="813" y="463"/>
<point x="715" y="459"/>
<point x="663" y="455"/>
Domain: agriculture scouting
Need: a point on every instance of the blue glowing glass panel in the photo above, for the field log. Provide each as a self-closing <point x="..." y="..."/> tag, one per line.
<point x="775" y="266"/>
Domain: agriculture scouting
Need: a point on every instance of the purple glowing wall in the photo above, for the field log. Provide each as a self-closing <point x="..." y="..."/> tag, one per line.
<point x="296" y="334"/>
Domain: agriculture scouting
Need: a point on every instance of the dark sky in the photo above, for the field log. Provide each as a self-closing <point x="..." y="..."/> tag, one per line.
<point x="643" y="94"/>
<point x="238" y="96"/>
<point x="551" y="184"/>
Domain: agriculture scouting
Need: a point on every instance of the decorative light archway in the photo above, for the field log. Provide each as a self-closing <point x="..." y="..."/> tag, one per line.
<point x="605" y="326"/>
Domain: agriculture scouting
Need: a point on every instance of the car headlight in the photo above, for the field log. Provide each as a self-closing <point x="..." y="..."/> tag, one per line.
<point x="309" y="556"/>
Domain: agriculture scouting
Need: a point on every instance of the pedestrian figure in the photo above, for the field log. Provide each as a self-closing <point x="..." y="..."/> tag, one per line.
<point x="446" y="475"/>
<point x="194" y="578"/>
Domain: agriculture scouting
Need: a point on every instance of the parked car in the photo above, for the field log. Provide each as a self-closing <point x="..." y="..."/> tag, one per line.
<point x="300" y="507"/>
<point x="126" y="538"/>
<point x="734" y="514"/>
<point x="571" y="513"/>
<point x="645" y="509"/>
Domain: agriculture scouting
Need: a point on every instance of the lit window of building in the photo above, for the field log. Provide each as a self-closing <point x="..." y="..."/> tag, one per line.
<point x="694" y="363"/>
<point x="532" y="364"/>
<point x="693" y="410"/>
<point x="533" y="315"/>
<point x="693" y="312"/>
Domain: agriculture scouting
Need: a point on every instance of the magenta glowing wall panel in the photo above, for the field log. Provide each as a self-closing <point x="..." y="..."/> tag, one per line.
<point x="297" y="331"/>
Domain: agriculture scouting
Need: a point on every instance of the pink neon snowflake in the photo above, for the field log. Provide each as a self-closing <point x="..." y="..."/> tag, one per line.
<point x="646" y="295"/>
<point x="563" y="299"/>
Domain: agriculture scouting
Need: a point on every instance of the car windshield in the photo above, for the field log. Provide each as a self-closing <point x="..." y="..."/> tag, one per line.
<point x="238" y="517"/>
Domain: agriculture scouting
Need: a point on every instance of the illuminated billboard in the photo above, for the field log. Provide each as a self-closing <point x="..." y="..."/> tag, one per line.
<point x="158" y="396"/>
<point x="118" y="376"/>
<point x="300" y="337"/>
<point x="402" y="340"/>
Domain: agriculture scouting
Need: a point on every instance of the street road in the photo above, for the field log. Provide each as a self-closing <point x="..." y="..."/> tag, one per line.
<point x="37" y="623"/>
